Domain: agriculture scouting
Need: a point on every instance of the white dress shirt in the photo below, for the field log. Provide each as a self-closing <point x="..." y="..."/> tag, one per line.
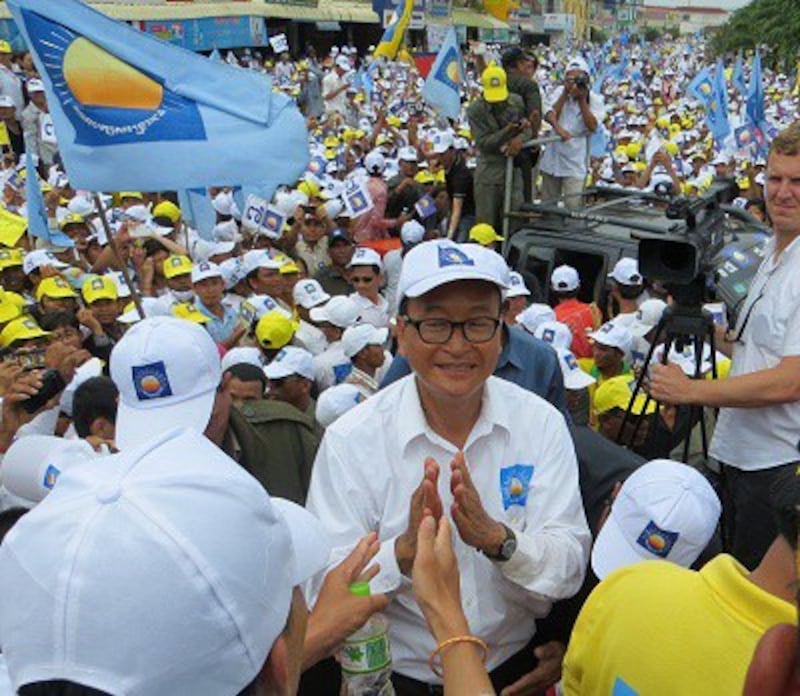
<point x="310" y="337"/>
<point x="759" y="438"/>
<point x="522" y="462"/>
<point x="331" y="366"/>
<point x="376" y="314"/>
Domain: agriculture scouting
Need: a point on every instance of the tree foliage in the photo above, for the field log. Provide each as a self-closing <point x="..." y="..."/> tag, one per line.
<point x="774" y="23"/>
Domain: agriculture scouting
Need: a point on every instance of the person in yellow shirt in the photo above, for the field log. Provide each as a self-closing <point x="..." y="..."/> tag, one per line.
<point x="656" y="628"/>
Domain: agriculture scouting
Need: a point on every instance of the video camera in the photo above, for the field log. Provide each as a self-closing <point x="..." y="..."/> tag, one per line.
<point x="582" y="81"/>
<point x="686" y="258"/>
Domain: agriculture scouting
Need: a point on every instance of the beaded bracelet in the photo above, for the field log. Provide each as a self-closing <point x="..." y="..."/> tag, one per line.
<point x="452" y="641"/>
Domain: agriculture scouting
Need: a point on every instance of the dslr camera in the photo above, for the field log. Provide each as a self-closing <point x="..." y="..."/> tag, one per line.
<point x="582" y="81"/>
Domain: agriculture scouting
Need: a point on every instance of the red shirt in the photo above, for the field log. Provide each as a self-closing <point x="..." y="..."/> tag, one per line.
<point x="582" y="319"/>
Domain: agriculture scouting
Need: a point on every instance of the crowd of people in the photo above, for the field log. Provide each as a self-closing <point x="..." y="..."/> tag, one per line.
<point x="270" y="415"/>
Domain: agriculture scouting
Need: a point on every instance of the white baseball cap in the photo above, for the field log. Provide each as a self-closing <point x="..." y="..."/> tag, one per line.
<point x="626" y="272"/>
<point x="343" y="62"/>
<point x="574" y="377"/>
<point x="336" y="401"/>
<point x="224" y="204"/>
<point x="614" y="335"/>
<point x="249" y="355"/>
<point x="516" y="286"/>
<point x="364" y="256"/>
<point x="199" y="589"/>
<point x="167" y="371"/>
<point x="34" y="85"/>
<point x="204" y="270"/>
<point x="232" y="272"/>
<point x="259" y="258"/>
<point x="32" y="465"/>
<point x="555" y="333"/>
<point x="356" y="338"/>
<point x="577" y="63"/>
<point x="309" y="293"/>
<point x="412" y="232"/>
<point x="685" y="358"/>
<point x="440" y="261"/>
<point x="40" y="257"/>
<point x="152" y="307"/>
<point x="407" y="154"/>
<point x="374" y="162"/>
<point x="565" y="279"/>
<point x="227" y="231"/>
<point x="291" y="361"/>
<point x="534" y="315"/>
<point x="340" y="311"/>
<point x="665" y="511"/>
<point x="441" y="142"/>
<point x="647" y="317"/>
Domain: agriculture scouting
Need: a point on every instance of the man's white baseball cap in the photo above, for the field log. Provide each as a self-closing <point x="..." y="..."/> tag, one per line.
<point x="152" y="307"/>
<point x="374" y="162"/>
<point x="259" y="258"/>
<point x="574" y="377"/>
<point x="614" y="335"/>
<point x="166" y="569"/>
<point x="40" y="257"/>
<point x="364" y="256"/>
<point x="412" y="232"/>
<point x="647" y="317"/>
<point x="578" y="63"/>
<point x="534" y="315"/>
<point x="441" y="142"/>
<point x="440" y="261"/>
<point x="565" y="279"/>
<point x="32" y="465"/>
<point x="309" y="293"/>
<point x="340" y="311"/>
<point x="356" y="338"/>
<point x="205" y="270"/>
<point x="167" y="371"/>
<point x="248" y="355"/>
<point x="336" y="401"/>
<point x="555" y="333"/>
<point x="291" y="361"/>
<point x="407" y="154"/>
<point x="343" y="63"/>
<point x="516" y="286"/>
<point x="626" y="272"/>
<point x="665" y="511"/>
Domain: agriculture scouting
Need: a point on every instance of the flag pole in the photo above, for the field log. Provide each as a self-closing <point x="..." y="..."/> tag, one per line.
<point x="137" y="299"/>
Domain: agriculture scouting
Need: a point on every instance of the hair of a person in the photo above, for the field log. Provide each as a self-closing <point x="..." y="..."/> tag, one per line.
<point x="565" y="294"/>
<point x="95" y="398"/>
<point x="55" y="320"/>
<point x="246" y="372"/>
<point x="8" y="518"/>
<point x="630" y="292"/>
<point x="787" y="142"/>
<point x="152" y="247"/>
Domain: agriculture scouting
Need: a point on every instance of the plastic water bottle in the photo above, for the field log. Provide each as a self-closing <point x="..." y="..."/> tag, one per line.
<point x="366" y="657"/>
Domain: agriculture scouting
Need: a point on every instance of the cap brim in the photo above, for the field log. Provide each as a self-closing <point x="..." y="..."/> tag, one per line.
<point x="136" y="426"/>
<point x="612" y="550"/>
<point x="310" y="541"/>
<point x="319" y="314"/>
<point x="640" y="329"/>
<point x="578" y="379"/>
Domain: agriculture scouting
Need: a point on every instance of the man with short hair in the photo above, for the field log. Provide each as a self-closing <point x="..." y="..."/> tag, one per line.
<point x="459" y="183"/>
<point x="580" y="317"/>
<point x="363" y="344"/>
<point x="452" y="439"/>
<point x="334" y="87"/>
<point x="756" y="435"/>
<point x="627" y="290"/>
<point x="335" y="279"/>
<point x="224" y="322"/>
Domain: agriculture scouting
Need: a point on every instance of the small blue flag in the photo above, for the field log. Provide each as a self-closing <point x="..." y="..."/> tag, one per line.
<point x="702" y="86"/>
<point x="755" y="95"/>
<point x="738" y="76"/>
<point x="197" y="210"/>
<point x="132" y="112"/>
<point x="717" y="109"/>
<point x="38" y="225"/>
<point x="425" y="207"/>
<point x="442" y="89"/>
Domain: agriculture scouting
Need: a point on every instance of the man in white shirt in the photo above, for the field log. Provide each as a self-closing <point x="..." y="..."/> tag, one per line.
<point x="758" y="429"/>
<point x="334" y="87"/>
<point x="453" y="439"/>
<point x="575" y="112"/>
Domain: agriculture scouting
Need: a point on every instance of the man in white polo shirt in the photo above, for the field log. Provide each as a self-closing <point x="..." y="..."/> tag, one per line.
<point x="495" y="458"/>
<point x="758" y="430"/>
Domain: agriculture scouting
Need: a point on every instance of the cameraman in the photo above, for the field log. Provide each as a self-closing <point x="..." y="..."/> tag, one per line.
<point x="499" y="128"/>
<point x="575" y="113"/>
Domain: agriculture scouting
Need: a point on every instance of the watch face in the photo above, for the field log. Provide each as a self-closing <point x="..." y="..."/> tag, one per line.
<point x="508" y="547"/>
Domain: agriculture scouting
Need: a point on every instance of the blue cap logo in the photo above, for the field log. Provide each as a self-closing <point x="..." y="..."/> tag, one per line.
<point x="50" y="477"/>
<point x="657" y="541"/>
<point x="453" y="256"/>
<point x="151" y="381"/>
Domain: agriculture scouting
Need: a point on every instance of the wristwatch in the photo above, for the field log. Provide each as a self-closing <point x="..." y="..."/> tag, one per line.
<point x="507" y="548"/>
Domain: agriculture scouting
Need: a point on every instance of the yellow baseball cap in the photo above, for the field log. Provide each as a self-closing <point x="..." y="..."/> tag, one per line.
<point x="495" y="88"/>
<point x="309" y="188"/>
<point x="10" y="257"/>
<point x="131" y="194"/>
<point x="99" y="288"/>
<point x="71" y="219"/>
<point x="9" y="310"/>
<point x="617" y="392"/>
<point x="423" y="176"/>
<point x="274" y="330"/>
<point x="484" y="234"/>
<point x="169" y="210"/>
<point x="289" y="267"/>
<point x="187" y="310"/>
<point x="21" y="329"/>
<point x="55" y="288"/>
<point x="176" y="265"/>
<point x="5" y="47"/>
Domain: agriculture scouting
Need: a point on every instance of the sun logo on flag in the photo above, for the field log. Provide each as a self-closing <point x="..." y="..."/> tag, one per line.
<point x="107" y="100"/>
<point x="449" y="71"/>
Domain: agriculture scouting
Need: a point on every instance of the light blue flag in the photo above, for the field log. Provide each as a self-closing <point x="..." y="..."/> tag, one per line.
<point x="755" y="95"/>
<point x="132" y="112"/>
<point x="702" y="86"/>
<point x="599" y="142"/>
<point x="197" y="210"/>
<point x="442" y="88"/>
<point x="738" y="76"/>
<point x="38" y="226"/>
<point x="717" y="110"/>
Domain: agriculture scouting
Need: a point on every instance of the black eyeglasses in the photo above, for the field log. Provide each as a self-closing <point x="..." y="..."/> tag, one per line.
<point x="437" y="331"/>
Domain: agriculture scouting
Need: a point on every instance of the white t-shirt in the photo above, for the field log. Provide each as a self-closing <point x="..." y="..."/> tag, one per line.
<point x="568" y="159"/>
<point x="760" y="438"/>
<point x="330" y="83"/>
<point x="376" y="314"/>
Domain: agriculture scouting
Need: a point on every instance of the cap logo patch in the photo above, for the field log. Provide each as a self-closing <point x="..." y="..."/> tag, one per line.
<point x="451" y="256"/>
<point x="151" y="381"/>
<point x="607" y="328"/>
<point x="494" y="82"/>
<point x="50" y="477"/>
<point x="571" y="363"/>
<point x="310" y="288"/>
<point x="280" y="356"/>
<point x="341" y="372"/>
<point x="657" y="541"/>
<point x="97" y="284"/>
<point x="548" y="335"/>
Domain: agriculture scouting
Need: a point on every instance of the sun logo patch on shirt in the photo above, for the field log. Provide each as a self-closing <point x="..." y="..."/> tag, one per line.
<point x="151" y="381"/>
<point x="657" y="541"/>
<point x="515" y="483"/>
